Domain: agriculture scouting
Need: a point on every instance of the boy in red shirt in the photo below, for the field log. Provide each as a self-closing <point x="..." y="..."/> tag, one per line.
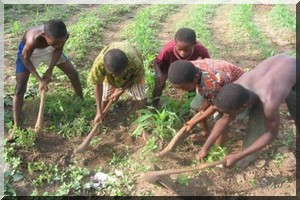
<point x="184" y="47"/>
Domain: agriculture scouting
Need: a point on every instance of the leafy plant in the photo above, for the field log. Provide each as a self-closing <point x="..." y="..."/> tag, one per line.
<point x="24" y="138"/>
<point x="245" y="30"/>
<point x="182" y="179"/>
<point x="216" y="153"/>
<point x="278" y="158"/>
<point x="282" y="16"/>
<point x="160" y="123"/>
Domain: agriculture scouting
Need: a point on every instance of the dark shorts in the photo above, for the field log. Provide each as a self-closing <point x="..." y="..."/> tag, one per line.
<point x="291" y="103"/>
<point x="38" y="56"/>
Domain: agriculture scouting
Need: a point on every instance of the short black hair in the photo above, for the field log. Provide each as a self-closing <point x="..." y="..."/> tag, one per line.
<point x="186" y="35"/>
<point x="231" y="96"/>
<point x="55" y="28"/>
<point x="115" y="60"/>
<point x="181" y="72"/>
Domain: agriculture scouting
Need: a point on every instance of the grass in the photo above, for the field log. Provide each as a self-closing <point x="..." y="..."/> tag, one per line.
<point x="283" y="17"/>
<point x="33" y="15"/>
<point x="244" y="30"/>
<point x="87" y="32"/>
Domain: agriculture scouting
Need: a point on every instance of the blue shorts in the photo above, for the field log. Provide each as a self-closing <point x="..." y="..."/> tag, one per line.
<point x="20" y="67"/>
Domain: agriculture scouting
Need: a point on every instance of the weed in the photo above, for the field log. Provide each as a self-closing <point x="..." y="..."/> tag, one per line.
<point x="25" y="138"/>
<point x="161" y="124"/>
<point x="278" y="159"/>
<point x="282" y="16"/>
<point x="182" y="179"/>
<point x="254" y="183"/>
<point x="216" y="153"/>
<point x="9" y="177"/>
<point x="245" y="30"/>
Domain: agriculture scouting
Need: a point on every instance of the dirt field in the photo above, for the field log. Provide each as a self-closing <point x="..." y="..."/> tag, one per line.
<point x="263" y="178"/>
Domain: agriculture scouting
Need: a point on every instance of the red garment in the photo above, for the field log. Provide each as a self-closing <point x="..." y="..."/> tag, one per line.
<point x="215" y="74"/>
<point x="168" y="55"/>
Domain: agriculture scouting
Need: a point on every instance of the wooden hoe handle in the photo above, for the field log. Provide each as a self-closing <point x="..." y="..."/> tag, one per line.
<point x="39" y="121"/>
<point x="89" y="137"/>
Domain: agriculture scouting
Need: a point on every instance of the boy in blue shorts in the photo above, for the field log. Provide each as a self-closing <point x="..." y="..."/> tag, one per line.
<point x="42" y="44"/>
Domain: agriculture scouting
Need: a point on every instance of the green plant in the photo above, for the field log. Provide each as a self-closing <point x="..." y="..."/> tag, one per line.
<point x="160" y="123"/>
<point x="216" y="153"/>
<point x="47" y="173"/>
<point x="278" y="159"/>
<point x="24" y="138"/>
<point x="182" y="179"/>
<point x="282" y="16"/>
<point x="9" y="177"/>
<point x="254" y="182"/>
<point x="244" y="30"/>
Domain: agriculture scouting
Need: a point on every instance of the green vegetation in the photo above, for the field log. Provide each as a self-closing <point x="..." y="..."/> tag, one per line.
<point x="244" y="30"/>
<point x="216" y="153"/>
<point x="182" y="179"/>
<point x="87" y="32"/>
<point x="143" y="32"/>
<point x="33" y="15"/>
<point x="282" y="16"/>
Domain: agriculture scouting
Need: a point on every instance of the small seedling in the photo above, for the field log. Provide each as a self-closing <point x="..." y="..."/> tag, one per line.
<point x="182" y="179"/>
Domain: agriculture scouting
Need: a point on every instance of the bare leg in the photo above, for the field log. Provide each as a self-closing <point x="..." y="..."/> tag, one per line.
<point x="20" y="89"/>
<point x="157" y="93"/>
<point x="72" y="74"/>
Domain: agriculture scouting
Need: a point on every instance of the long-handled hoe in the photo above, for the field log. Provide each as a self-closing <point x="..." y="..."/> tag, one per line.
<point x="182" y="132"/>
<point x="82" y="147"/>
<point x="39" y="121"/>
<point x="155" y="176"/>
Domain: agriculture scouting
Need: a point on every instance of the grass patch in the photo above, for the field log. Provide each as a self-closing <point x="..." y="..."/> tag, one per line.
<point x="283" y="17"/>
<point x="244" y="30"/>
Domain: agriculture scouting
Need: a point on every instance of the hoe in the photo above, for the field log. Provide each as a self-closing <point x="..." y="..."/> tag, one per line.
<point x="156" y="176"/>
<point x="88" y="138"/>
<point x="39" y="121"/>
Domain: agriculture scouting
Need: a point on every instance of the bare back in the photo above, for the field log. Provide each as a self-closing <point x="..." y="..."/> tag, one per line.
<point x="272" y="79"/>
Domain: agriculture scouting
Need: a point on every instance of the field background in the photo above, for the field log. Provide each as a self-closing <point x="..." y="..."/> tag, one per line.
<point x="45" y="165"/>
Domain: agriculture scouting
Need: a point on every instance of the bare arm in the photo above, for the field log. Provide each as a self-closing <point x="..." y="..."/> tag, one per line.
<point x="98" y="91"/>
<point x="206" y="112"/>
<point x="25" y="57"/>
<point x="119" y="91"/>
<point x="159" y="75"/>
<point x="272" y="125"/>
<point x="218" y="129"/>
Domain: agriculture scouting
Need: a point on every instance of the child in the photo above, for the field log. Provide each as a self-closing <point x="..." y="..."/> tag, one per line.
<point x="42" y="44"/>
<point x="263" y="92"/>
<point x="184" y="47"/>
<point x="118" y="67"/>
<point x="207" y="76"/>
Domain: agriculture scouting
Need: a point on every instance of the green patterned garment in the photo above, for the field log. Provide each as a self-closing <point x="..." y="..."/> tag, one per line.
<point x="134" y="70"/>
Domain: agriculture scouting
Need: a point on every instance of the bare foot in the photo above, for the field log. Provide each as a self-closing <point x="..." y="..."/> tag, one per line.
<point x="198" y="137"/>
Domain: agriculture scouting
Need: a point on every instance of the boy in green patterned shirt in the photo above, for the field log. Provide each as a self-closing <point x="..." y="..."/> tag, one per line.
<point x="118" y="67"/>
